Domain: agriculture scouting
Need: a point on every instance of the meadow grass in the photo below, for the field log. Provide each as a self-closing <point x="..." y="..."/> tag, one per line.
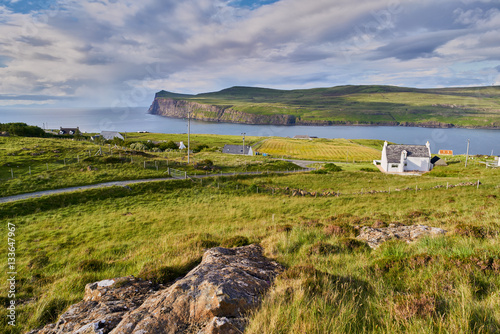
<point x="332" y="284"/>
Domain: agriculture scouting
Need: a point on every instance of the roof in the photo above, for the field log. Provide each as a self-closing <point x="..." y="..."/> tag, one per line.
<point x="235" y="149"/>
<point x="109" y="135"/>
<point x="437" y="161"/>
<point x="413" y="151"/>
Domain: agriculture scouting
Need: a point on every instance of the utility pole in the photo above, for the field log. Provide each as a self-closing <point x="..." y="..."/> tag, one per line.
<point x="467" y="155"/>
<point x="243" y="134"/>
<point x="189" y="132"/>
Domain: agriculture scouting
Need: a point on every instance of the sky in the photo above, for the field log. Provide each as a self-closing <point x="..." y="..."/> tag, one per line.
<point x="118" y="53"/>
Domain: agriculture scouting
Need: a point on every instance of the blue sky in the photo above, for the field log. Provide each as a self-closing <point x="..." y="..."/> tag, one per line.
<point x="110" y="53"/>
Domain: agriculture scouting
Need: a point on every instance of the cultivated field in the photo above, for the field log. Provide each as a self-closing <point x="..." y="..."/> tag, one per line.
<point x="343" y="150"/>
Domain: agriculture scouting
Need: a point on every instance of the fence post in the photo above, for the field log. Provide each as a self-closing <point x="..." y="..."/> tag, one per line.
<point x="78" y="158"/>
<point x="168" y="170"/>
<point x="11" y="173"/>
<point x="185" y="175"/>
<point x="144" y="164"/>
<point x="477" y="184"/>
<point x="89" y="153"/>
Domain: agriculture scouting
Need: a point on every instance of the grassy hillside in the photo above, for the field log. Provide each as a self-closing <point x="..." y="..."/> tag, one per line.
<point x="333" y="284"/>
<point x="474" y="107"/>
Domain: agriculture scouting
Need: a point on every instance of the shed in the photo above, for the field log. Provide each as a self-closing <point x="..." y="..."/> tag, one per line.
<point x="110" y="135"/>
<point x="237" y="149"/>
<point x="437" y="161"/>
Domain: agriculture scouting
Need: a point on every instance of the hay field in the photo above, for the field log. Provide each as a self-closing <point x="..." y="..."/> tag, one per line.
<point x="318" y="149"/>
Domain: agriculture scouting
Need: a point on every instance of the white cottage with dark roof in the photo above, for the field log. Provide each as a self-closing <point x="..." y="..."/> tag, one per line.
<point x="406" y="158"/>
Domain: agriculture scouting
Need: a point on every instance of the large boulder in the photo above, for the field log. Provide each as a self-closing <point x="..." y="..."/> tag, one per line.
<point x="213" y="298"/>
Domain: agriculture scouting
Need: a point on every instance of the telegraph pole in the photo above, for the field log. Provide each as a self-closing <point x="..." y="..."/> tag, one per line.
<point x="467" y="155"/>
<point x="243" y="134"/>
<point x="189" y="132"/>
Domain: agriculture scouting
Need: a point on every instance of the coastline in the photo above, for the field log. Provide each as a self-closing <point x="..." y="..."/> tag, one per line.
<point x="331" y="123"/>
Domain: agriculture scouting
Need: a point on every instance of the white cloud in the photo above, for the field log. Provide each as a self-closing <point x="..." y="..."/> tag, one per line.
<point x="107" y="50"/>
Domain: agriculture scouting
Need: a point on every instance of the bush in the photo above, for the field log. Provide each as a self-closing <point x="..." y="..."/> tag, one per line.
<point x="199" y="148"/>
<point x="168" y="146"/>
<point x="138" y="146"/>
<point x="332" y="167"/>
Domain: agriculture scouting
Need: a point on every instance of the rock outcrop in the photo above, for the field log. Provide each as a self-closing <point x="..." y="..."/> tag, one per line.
<point x="211" y="113"/>
<point x="103" y="307"/>
<point x="212" y="298"/>
<point x="375" y="236"/>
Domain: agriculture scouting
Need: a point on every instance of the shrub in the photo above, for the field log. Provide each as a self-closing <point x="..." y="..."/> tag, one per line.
<point x="138" y="146"/>
<point x="331" y="167"/>
<point x="199" y="148"/>
<point x="168" y="146"/>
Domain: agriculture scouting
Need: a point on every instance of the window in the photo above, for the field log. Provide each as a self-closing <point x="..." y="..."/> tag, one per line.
<point x="394" y="166"/>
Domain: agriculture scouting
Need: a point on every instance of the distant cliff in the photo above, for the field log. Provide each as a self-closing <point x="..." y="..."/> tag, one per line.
<point x="205" y="112"/>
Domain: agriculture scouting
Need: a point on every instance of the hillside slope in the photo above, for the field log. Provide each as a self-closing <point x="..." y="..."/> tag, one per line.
<point x="344" y="105"/>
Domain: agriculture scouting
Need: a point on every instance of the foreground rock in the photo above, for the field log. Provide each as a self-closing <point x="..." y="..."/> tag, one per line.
<point x="212" y="298"/>
<point x="103" y="307"/>
<point x="375" y="236"/>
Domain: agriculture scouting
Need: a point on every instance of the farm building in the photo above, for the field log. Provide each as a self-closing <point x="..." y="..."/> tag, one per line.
<point x="405" y="158"/>
<point x="110" y="135"/>
<point x="69" y="131"/>
<point x="237" y="149"/>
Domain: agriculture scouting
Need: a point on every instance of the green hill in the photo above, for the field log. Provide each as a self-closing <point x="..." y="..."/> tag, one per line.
<point x="377" y="105"/>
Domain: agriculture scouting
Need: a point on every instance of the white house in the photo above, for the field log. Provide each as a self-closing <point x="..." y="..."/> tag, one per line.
<point x="406" y="158"/>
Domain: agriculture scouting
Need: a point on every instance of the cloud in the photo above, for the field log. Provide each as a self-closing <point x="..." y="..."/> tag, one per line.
<point x="104" y="51"/>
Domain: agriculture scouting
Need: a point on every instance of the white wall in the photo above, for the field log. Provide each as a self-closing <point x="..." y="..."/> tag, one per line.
<point x="417" y="164"/>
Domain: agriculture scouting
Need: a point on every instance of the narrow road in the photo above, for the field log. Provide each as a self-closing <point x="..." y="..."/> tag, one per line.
<point x="126" y="183"/>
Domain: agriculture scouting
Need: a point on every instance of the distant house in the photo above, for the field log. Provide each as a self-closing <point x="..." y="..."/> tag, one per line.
<point x="405" y="158"/>
<point x="237" y="149"/>
<point x="110" y="135"/>
<point x="95" y="137"/>
<point x="304" y="137"/>
<point x="69" y="131"/>
<point x="445" y="152"/>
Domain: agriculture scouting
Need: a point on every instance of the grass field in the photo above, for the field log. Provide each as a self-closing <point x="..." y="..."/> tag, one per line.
<point x="332" y="284"/>
<point x="33" y="164"/>
<point x="320" y="149"/>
